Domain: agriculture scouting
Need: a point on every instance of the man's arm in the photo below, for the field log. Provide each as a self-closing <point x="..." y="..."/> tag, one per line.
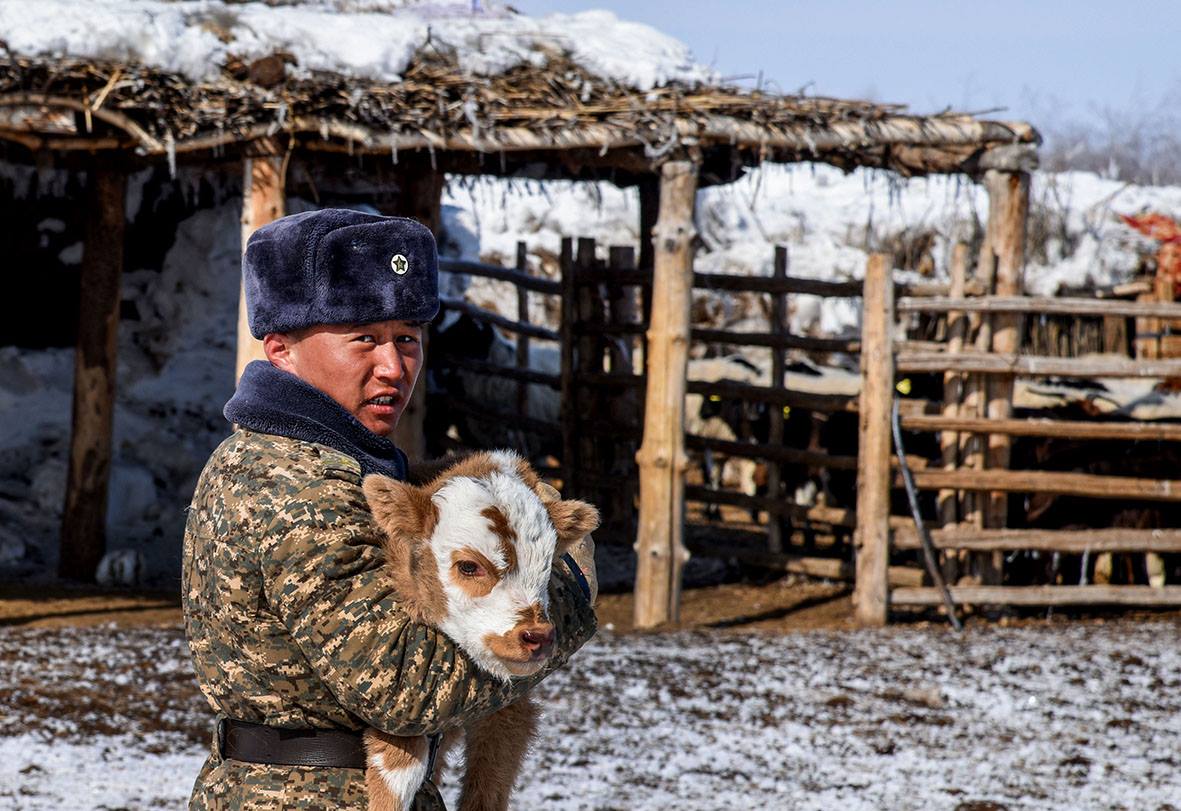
<point x="321" y="569"/>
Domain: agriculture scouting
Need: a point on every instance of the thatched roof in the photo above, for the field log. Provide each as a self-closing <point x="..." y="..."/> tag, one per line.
<point x="545" y="104"/>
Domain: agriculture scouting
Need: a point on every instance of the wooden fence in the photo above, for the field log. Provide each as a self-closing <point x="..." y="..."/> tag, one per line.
<point x="603" y="333"/>
<point x="973" y="489"/>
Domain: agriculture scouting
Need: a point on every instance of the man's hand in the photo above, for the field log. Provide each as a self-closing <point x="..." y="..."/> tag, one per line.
<point x="583" y="552"/>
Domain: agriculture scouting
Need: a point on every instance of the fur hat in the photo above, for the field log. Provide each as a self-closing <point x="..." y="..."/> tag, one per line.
<point x="337" y="266"/>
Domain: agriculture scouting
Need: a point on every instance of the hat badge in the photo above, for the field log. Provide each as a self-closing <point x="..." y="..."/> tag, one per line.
<point x="399" y="263"/>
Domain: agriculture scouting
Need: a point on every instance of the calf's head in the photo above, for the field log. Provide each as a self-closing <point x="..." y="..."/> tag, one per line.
<point x="471" y="554"/>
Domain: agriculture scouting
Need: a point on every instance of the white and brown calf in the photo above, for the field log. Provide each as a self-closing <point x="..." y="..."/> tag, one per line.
<point x="471" y="554"/>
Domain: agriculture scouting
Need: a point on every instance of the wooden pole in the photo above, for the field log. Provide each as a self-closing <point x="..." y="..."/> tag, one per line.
<point x="420" y="198"/>
<point x="953" y="384"/>
<point x="778" y="326"/>
<point x="1011" y="191"/>
<point x="522" y="340"/>
<point x="263" y="201"/>
<point x="871" y="537"/>
<point x="83" y="538"/>
<point x="950" y="502"/>
<point x="661" y="459"/>
<point x="570" y="413"/>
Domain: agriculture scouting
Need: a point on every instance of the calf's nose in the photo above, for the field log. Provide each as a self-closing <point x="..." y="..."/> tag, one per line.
<point x="537" y="639"/>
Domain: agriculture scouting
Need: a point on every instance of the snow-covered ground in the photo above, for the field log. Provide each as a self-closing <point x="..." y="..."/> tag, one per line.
<point x="176" y="360"/>
<point x="1053" y="716"/>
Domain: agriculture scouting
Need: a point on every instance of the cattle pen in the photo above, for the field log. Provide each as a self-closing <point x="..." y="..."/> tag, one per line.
<point x="623" y="330"/>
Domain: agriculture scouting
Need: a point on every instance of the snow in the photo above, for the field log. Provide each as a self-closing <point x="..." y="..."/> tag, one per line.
<point x="1051" y="715"/>
<point x="372" y="40"/>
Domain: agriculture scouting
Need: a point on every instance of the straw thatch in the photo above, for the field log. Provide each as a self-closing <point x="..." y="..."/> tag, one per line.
<point x="69" y="103"/>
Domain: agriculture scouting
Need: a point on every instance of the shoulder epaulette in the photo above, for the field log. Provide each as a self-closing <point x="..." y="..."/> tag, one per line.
<point x="337" y="465"/>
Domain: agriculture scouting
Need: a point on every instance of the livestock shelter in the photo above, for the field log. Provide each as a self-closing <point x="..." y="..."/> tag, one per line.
<point x="266" y="90"/>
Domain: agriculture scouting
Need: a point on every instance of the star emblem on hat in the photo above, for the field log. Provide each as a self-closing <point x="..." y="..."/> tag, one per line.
<point x="399" y="264"/>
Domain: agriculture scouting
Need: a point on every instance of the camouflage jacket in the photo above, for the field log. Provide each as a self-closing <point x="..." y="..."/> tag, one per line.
<point x="291" y="622"/>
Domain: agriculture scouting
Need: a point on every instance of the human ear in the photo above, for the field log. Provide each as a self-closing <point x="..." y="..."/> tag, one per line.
<point x="278" y="348"/>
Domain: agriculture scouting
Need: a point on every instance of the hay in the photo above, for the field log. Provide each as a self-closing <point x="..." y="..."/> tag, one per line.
<point x="558" y="106"/>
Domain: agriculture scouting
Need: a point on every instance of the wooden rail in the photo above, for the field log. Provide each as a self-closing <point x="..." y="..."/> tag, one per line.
<point x="460" y="306"/>
<point x="1042" y="595"/>
<point x="762" y="394"/>
<point x="1044" y="481"/>
<point x="1061" y="429"/>
<point x="1041" y="305"/>
<point x="994" y="364"/>
<point x="773" y="341"/>
<point x="1046" y="540"/>
<point x="517" y="277"/>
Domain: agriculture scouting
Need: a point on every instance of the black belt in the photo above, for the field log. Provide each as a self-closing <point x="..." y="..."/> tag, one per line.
<point x="258" y="743"/>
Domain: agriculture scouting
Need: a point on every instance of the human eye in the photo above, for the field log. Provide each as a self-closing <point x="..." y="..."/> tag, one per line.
<point x="365" y="338"/>
<point x="407" y="339"/>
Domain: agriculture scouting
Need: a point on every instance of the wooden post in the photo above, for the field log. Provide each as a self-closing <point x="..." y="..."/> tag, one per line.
<point x="1011" y="192"/>
<point x="263" y="201"/>
<point x="872" y="535"/>
<point x="570" y="415"/>
<point x="649" y="193"/>
<point x="420" y="197"/>
<point x="953" y="382"/>
<point x="950" y="501"/>
<point x="84" y="516"/>
<point x="661" y="459"/>
<point x="775" y="522"/>
<point x="522" y="340"/>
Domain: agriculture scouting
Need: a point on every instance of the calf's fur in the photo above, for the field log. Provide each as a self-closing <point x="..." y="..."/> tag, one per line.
<point x="471" y="553"/>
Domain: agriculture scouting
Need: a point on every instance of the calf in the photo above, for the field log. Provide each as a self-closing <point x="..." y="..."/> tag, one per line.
<point x="471" y="554"/>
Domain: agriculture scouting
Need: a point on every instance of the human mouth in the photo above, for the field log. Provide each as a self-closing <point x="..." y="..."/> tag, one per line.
<point x="382" y="404"/>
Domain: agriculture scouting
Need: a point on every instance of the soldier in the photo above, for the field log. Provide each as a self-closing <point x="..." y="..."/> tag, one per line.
<point x="297" y="639"/>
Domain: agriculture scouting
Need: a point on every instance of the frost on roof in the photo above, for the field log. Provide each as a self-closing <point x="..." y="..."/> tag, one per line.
<point x="373" y="39"/>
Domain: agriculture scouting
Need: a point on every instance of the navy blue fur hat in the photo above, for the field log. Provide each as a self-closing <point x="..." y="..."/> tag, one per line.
<point x="337" y="266"/>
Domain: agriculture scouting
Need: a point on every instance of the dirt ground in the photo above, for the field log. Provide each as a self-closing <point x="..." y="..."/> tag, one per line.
<point x="787" y="605"/>
<point x="780" y="606"/>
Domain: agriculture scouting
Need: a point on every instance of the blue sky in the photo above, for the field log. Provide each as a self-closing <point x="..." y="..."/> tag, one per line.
<point x="1047" y="61"/>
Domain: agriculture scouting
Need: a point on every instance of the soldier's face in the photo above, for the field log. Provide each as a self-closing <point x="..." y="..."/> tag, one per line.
<point x="370" y="369"/>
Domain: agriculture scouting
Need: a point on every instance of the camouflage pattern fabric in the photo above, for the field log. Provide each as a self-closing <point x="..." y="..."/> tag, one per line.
<point x="291" y="623"/>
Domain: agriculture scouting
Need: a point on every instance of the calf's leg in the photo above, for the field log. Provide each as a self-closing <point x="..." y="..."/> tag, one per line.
<point x="496" y="748"/>
<point x="396" y="769"/>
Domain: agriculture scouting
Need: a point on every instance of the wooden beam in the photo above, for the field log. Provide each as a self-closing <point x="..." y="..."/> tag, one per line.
<point x="1050" y="481"/>
<point x="1043" y="595"/>
<point x="775" y="526"/>
<point x="83" y="538"/>
<point x="661" y="459"/>
<point x="420" y="197"/>
<point x="1062" y="429"/>
<point x="1011" y="190"/>
<point x="1041" y="305"/>
<point x="263" y="201"/>
<point x="871" y="538"/>
<point x="1047" y="540"/>
<point x="1039" y="366"/>
<point x="953" y="384"/>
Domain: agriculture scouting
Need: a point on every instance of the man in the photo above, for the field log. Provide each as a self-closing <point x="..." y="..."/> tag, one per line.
<point x="297" y="639"/>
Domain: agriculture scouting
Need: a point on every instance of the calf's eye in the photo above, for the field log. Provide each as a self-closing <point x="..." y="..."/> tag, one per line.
<point x="469" y="568"/>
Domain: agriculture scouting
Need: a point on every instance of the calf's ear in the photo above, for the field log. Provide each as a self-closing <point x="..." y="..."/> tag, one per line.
<point x="573" y="520"/>
<point x="400" y="509"/>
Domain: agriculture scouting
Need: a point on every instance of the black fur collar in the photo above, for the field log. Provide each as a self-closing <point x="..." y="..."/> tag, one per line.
<point x="271" y="401"/>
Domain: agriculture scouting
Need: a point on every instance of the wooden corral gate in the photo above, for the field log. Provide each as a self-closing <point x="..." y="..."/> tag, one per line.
<point x="975" y="431"/>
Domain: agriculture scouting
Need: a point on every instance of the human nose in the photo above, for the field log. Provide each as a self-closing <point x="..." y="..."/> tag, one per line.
<point x="389" y="363"/>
